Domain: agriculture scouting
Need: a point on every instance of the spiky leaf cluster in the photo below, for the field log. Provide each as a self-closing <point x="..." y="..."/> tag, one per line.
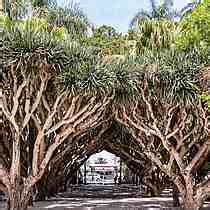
<point x="173" y="73"/>
<point x="28" y="44"/>
<point x="154" y="34"/>
<point x="81" y="71"/>
<point x="125" y="80"/>
<point x="72" y="19"/>
<point x="89" y="76"/>
<point x="77" y="69"/>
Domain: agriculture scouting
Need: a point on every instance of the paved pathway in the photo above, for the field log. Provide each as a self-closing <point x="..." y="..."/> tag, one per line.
<point x="106" y="197"/>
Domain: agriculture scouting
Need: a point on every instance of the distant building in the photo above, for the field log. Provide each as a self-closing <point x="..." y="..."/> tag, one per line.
<point x="102" y="173"/>
<point x="101" y="168"/>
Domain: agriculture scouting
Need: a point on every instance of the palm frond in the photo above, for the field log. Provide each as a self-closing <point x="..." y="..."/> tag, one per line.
<point x="188" y="8"/>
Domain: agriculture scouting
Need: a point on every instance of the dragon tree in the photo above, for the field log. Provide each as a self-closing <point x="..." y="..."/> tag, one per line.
<point x="170" y="122"/>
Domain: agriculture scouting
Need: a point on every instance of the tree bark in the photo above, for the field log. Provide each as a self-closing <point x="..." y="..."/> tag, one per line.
<point x="187" y="193"/>
<point x="190" y="203"/>
<point x="19" y="199"/>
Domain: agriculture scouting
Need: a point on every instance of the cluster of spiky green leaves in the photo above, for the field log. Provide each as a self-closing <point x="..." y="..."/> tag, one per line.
<point x="154" y="34"/>
<point x="84" y="72"/>
<point x="172" y="73"/>
<point x="125" y="75"/>
<point x="71" y="18"/>
<point x="87" y="72"/>
<point x="27" y="41"/>
<point x="81" y="70"/>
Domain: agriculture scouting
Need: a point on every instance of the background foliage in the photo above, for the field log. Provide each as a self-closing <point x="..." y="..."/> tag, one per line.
<point x="195" y="27"/>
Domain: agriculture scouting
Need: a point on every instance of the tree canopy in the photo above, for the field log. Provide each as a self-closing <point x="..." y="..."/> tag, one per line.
<point x="195" y="27"/>
<point x="67" y="92"/>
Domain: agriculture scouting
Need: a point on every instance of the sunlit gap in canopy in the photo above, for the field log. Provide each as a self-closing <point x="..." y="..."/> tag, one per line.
<point x="101" y="168"/>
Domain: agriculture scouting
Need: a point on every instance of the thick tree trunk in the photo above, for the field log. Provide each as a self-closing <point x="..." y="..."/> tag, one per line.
<point x="190" y="203"/>
<point x="187" y="189"/>
<point x="16" y="203"/>
<point x="19" y="199"/>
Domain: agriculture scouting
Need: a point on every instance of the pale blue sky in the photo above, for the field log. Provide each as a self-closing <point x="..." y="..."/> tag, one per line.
<point x="117" y="13"/>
